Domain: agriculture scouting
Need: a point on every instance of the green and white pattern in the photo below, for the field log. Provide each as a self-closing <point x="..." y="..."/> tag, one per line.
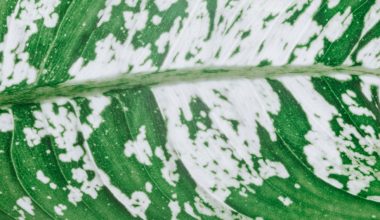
<point x="189" y="109"/>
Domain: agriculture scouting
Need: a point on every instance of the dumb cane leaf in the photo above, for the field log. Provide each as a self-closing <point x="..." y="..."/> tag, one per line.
<point x="189" y="109"/>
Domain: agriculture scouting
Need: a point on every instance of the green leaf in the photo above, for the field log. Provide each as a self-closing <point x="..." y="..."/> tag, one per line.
<point x="179" y="109"/>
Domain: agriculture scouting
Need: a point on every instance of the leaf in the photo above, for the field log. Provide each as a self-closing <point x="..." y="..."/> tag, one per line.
<point x="175" y="109"/>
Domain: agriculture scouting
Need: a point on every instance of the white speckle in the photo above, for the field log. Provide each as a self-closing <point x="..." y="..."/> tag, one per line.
<point x="169" y="171"/>
<point x="79" y="175"/>
<point x="270" y="168"/>
<point x="189" y="210"/>
<point x="61" y="122"/>
<point x="105" y="14"/>
<point x="285" y="200"/>
<point x="175" y="209"/>
<point x="326" y="146"/>
<point x="131" y="3"/>
<point x="332" y="3"/>
<point x="162" y="42"/>
<point x="297" y="186"/>
<point x="140" y="148"/>
<point x="6" y="122"/>
<point x="135" y="21"/>
<point x="369" y="55"/>
<point x="41" y="177"/>
<point x="20" y="212"/>
<point x="75" y="195"/>
<point x="349" y="99"/>
<point x="58" y="209"/>
<point x="140" y="201"/>
<point x="26" y="204"/>
<point x="136" y="205"/>
<point x="212" y="160"/>
<point x="31" y="136"/>
<point x="22" y="24"/>
<point x="72" y="154"/>
<point x="61" y="125"/>
<point x="97" y="104"/>
<point x="341" y="77"/>
<point x="112" y="58"/>
<point x="148" y="187"/>
<point x="338" y="25"/>
<point x="201" y="126"/>
<point x="317" y="110"/>
<point x="53" y="185"/>
<point x="156" y="19"/>
<point x="164" y="5"/>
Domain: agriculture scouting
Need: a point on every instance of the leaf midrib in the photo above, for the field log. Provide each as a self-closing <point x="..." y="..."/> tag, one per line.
<point x="127" y="81"/>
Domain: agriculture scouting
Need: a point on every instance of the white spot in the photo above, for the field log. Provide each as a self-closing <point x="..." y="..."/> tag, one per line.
<point x="41" y="177"/>
<point x="212" y="160"/>
<point x="79" y="175"/>
<point x="338" y="25"/>
<point x="156" y="19"/>
<point x="136" y="205"/>
<point x="75" y="195"/>
<point x="349" y="99"/>
<point x="369" y="55"/>
<point x="105" y="14"/>
<point x="332" y="3"/>
<point x="58" y="209"/>
<point x="285" y="200"/>
<point x="326" y="147"/>
<point x="164" y="5"/>
<point x="6" y="122"/>
<point x="53" y="185"/>
<point x="135" y="21"/>
<point x="374" y="198"/>
<point x="22" y="24"/>
<point x="26" y="204"/>
<point x="33" y="135"/>
<point x="162" y="42"/>
<point x="189" y="210"/>
<point x="97" y="105"/>
<point x="131" y="3"/>
<point x="140" y="148"/>
<point x="341" y="76"/>
<point x="148" y="187"/>
<point x="270" y="168"/>
<point x="175" y="209"/>
<point x="169" y="171"/>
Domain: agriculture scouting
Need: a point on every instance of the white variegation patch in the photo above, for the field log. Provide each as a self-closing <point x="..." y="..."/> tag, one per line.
<point x="140" y="148"/>
<point x="6" y="122"/>
<point x="22" y="25"/>
<point x="26" y="204"/>
<point x="323" y="152"/>
<point x="104" y="15"/>
<point x="205" y="155"/>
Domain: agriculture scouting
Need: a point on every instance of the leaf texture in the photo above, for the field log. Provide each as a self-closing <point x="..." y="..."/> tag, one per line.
<point x="175" y="109"/>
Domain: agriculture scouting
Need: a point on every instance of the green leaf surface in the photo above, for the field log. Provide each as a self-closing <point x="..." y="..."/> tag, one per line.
<point x="189" y="109"/>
